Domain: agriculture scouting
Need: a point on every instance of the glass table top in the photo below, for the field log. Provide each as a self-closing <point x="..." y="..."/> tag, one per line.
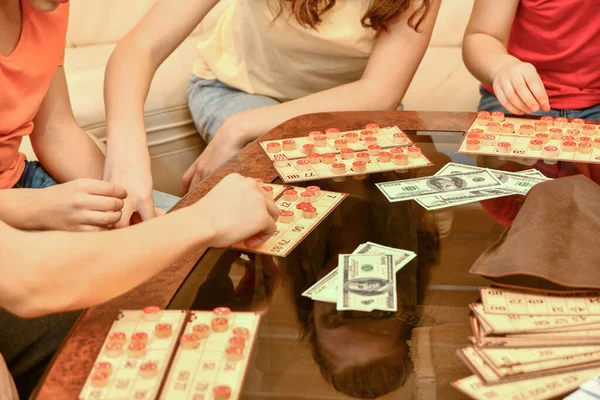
<point x="307" y="349"/>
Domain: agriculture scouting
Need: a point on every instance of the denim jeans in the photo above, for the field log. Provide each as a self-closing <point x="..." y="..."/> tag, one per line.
<point x="490" y="103"/>
<point x="212" y="102"/>
<point x="36" y="177"/>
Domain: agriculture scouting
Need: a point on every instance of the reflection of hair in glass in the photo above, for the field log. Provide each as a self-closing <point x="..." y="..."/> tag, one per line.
<point x="367" y="381"/>
<point x="366" y="218"/>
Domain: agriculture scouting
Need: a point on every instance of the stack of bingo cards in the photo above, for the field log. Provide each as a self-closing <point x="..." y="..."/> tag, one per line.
<point x="530" y="342"/>
<point x="547" y="138"/>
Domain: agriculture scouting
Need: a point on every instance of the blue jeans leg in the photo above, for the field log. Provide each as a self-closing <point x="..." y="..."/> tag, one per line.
<point x="35" y="177"/>
<point x="212" y="102"/>
<point x="490" y="103"/>
<point x="164" y="201"/>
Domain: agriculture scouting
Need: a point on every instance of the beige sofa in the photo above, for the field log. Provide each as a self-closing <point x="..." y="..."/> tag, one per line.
<point x="442" y="82"/>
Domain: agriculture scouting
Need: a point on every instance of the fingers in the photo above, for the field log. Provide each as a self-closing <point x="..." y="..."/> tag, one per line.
<point x="272" y="209"/>
<point x="98" y="203"/>
<point x="99" y="218"/>
<point x="261" y="237"/>
<point x="536" y="86"/>
<point x="520" y="86"/>
<point x="102" y="188"/>
<point x="505" y="103"/>
<point x="198" y="176"/>
<point x="146" y="209"/>
<point x="186" y="180"/>
<point x="126" y="212"/>
<point x="512" y="96"/>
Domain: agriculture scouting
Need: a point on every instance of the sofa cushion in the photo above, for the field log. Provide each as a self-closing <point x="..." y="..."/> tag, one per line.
<point x="442" y="83"/>
<point x="451" y="23"/>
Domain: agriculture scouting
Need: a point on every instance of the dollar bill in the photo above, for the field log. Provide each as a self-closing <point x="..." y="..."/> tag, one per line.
<point x="366" y="282"/>
<point x="512" y="183"/>
<point x="409" y="189"/>
<point x="515" y="183"/>
<point x="437" y="202"/>
<point x="327" y="287"/>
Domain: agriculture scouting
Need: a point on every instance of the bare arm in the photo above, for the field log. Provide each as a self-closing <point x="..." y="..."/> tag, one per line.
<point x="516" y="84"/>
<point x="55" y="271"/>
<point x="128" y="77"/>
<point x="62" y="147"/>
<point x="390" y="70"/>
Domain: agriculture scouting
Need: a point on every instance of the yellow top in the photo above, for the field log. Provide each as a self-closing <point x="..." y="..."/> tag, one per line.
<point x="244" y="48"/>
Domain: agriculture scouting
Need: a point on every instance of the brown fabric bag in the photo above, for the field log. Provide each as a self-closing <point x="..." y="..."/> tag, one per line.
<point x="553" y="244"/>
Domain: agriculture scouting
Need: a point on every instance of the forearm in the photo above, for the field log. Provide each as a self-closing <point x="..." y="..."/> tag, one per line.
<point x="63" y="271"/>
<point x="484" y="56"/>
<point x="68" y="153"/>
<point x="355" y="96"/>
<point x="22" y="208"/>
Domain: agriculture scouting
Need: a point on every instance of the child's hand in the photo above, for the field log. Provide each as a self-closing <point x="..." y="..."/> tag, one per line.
<point x="520" y="90"/>
<point x="131" y="171"/>
<point x="238" y="209"/>
<point x="227" y="142"/>
<point x="85" y="205"/>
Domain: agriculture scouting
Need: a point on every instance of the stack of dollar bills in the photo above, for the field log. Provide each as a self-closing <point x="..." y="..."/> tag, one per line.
<point x="364" y="280"/>
<point x="457" y="184"/>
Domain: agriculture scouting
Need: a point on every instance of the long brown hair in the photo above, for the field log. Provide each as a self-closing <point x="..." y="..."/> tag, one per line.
<point x="379" y="16"/>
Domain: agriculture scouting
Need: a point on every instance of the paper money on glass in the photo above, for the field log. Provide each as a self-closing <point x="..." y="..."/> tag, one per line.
<point x="366" y="283"/>
<point x="436" y="185"/>
<point x="326" y="288"/>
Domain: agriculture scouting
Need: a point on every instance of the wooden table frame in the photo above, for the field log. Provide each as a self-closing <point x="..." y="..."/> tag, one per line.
<point x="74" y="360"/>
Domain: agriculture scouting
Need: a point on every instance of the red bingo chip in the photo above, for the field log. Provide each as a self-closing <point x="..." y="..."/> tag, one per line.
<point x="273" y="147"/>
<point x="222" y="311"/>
<point x="332" y="130"/>
<point x="567" y="138"/>
<point x="370" y="140"/>
<point x="359" y="166"/>
<point x="569" y="146"/>
<point x="242" y="332"/>
<point x="573" y="132"/>
<point x="473" y="136"/>
<point x="536" y="144"/>
<point x="308" y="148"/>
<point x="117" y="337"/>
<point x="149" y="366"/>
<point x="473" y="144"/>
<point x="105" y="367"/>
<point x="366" y="134"/>
<point x="396" y="150"/>
<point x="237" y="341"/>
<point x="314" y="134"/>
<point x="289" y="144"/>
<point x="347" y="153"/>
<point x="400" y="159"/>
<point x="221" y="392"/>
<point x="372" y="126"/>
<point x="547" y="119"/>
<point x="363" y="156"/>
<point x="414" y="152"/>
<point x="477" y="131"/>
<point x="585" y="139"/>
<point x="151" y="310"/>
<point x="597" y="143"/>
<point x="302" y="205"/>
<point x="585" y="148"/>
<point x="313" y="158"/>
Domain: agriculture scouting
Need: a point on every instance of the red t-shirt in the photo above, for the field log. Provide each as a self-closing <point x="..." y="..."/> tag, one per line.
<point x="561" y="38"/>
<point x="25" y="77"/>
